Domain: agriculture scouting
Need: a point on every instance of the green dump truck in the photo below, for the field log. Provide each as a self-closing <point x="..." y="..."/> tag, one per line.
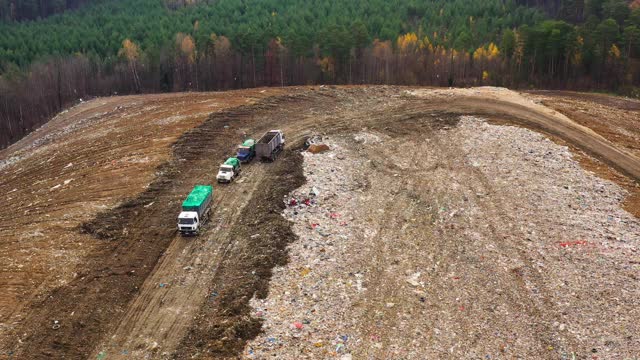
<point x="247" y="151"/>
<point x="195" y="210"/>
<point x="229" y="170"/>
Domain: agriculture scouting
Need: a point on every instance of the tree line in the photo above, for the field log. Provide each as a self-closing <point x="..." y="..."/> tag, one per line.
<point x="21" y="10"/>
<point x="440" y="44"/>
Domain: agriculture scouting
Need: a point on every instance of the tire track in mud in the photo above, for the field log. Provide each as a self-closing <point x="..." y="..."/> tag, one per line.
<point x="158" y="317"/>
<point x="224" y="324"/>
<point x="518" y="297"/>
<point x="135" y="234"/>
<point x="381" y="288"/>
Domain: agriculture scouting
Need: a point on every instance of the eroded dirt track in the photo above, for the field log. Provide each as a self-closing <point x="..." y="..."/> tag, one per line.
<point x="90" y="238"/>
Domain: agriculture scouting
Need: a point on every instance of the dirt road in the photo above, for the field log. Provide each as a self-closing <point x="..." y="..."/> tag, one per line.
<point x="110" y="174"/>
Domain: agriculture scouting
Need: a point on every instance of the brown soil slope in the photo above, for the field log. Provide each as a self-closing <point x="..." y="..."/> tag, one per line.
<point x="89" y="159"/>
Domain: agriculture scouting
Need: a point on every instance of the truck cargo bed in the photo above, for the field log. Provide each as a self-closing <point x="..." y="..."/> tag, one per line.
<point x="266" y="138"/>
<point x="269" y="145"/>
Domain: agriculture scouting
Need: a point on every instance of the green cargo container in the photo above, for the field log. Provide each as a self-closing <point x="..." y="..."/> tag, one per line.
<point x="199" y="199"/>
<point x="249" y="143"/>
<point x="233" y="162"/>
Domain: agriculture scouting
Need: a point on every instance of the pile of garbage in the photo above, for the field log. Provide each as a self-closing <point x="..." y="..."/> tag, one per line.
<point x="482" y="228"/>
<point x="304" y="312"/>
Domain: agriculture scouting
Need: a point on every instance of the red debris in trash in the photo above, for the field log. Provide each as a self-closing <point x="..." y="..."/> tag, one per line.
<point x="334" y="215"/>
<point x="461" y="308"/>
<point x="298" y="325"/>
<point x="293" y="202"/>
<point x="313" y="226"/>
<point x="573" y="243"/>
<point x="456" y="278"/>
<point x="307" y="202"/>
<point x="344" y="223"/>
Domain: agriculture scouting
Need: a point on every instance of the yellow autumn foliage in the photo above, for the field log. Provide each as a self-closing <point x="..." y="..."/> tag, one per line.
<point x="576" y="59"/>
<point x="425" y="44"/>
<point x="129" y="50"/>
<point x="614" y="52"/>
<point x="407" y="43"/>
<point x="489" y="52"/>
<point x="327" y="65"/>
<point x="186" y="45"/>
<point x="221" y="46"/>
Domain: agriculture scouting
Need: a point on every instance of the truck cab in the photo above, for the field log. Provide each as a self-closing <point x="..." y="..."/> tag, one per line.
<point x="188" y="222"/>
<point x="228" y="171"/>
<point x="247" y="151"/>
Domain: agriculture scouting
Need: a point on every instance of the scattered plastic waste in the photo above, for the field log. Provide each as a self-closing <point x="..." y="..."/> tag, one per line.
<point x="573" y="243"/>
<point x="340" y="217"/>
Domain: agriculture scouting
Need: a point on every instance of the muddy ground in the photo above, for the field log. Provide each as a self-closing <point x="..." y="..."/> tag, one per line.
<point x="88" y="234"/>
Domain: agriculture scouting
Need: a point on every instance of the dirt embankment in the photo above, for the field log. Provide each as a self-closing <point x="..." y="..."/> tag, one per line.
<point x="616" y="119"/>
<point x="88" y="159"/>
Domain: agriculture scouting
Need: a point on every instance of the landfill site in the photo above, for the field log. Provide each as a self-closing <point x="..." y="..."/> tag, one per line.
<point x="394" y="223"/>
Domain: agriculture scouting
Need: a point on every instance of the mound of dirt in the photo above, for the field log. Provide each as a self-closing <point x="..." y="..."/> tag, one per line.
<point x="318" y="148"/>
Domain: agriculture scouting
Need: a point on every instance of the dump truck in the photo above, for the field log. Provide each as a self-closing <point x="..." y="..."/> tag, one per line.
<point x="229" y="170"/>
<point x="247" y="151"/>
<point x="270" y="145"/>
<point x="195" y="210"/>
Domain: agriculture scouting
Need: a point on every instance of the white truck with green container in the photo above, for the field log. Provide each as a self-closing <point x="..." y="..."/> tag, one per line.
<point x="229" y="170"/>
<point x="195" y="210"/>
